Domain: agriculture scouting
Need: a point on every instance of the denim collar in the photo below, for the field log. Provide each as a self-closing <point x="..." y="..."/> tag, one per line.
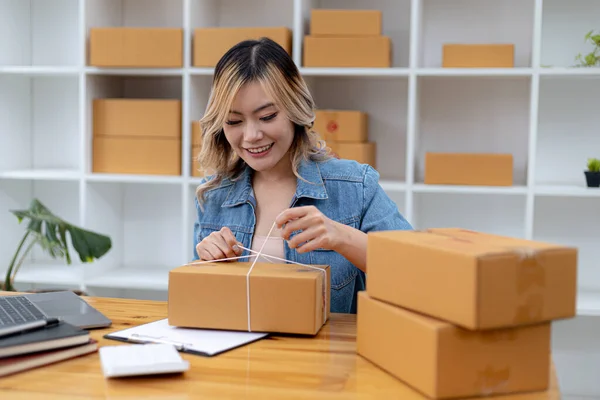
<point x="311" y="185"/>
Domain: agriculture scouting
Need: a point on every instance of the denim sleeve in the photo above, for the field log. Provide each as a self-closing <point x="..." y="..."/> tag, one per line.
<point x="380" y="212"/>
<point x="196" y="231"/>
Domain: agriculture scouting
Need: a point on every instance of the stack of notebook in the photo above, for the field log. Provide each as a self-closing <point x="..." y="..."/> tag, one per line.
<point x="43" y="346"/>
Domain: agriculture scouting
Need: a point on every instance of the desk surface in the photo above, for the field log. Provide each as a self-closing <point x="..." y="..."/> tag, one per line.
<point x="278" y="367"/>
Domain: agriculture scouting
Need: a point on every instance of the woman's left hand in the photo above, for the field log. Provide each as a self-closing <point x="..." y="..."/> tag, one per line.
<point x="317" y="231"/>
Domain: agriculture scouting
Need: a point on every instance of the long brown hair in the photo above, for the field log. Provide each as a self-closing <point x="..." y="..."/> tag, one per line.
<point x="266" y="62"/>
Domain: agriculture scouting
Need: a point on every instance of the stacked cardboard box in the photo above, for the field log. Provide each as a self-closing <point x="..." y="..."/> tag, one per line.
<point x="210" y="44"/>
<point x="464" y="313"/>
<point x="478" y="56"/>
<point x="346" y="132"/>
<point x="137" y="136"/>
<point x="478" y="169"/>
<point x="136" y="47"/>
<point x="346" y="38"/>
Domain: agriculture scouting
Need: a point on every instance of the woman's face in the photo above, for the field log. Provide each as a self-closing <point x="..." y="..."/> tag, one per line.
<point x="257" y="130"/>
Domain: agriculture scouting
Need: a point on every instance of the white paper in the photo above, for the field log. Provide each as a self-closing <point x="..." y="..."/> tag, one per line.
<point x="207" y="341"/>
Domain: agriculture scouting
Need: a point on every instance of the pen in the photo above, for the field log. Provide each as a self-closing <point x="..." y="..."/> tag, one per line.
<point x="28" y="326"/>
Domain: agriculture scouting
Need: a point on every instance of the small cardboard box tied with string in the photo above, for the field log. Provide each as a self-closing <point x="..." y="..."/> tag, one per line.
<point x="275" y="296"/>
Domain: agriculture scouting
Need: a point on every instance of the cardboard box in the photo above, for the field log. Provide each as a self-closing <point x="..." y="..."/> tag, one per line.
<point x="328" y="22"/>
<point x="210" y="44"/>
<point x="136" y="47"/>
<point x="356" y="52"/>
<point x="478" y="169"/>
<point x="364" y="153"/>
<point x="284" y="298"/>
<point x="476" y="284"/>
<point x="137" y="118"/>
<point x="478" y="56"/>
<point x="129" y="155"/>
<point x="342" y="125"/>
<point x="442" y="361"/>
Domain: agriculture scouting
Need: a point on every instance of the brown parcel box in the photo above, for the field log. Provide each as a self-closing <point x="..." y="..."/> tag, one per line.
<point x="210" y="44"/>
<point x="478" y="56"/>
<point x="478" y="169"/>
<point x="137" y="117"/>
<point x="342" y="125"/>
<point x="473" y="284"/>
<point x="284" y="298"/>
<point x="325" y="22"/>
<point x="364" y="153"/>
<point x="442" y="360"/>
<point x="144" y="155"/>
<point x="359" y="52"/>
<point x="136" y="47"/>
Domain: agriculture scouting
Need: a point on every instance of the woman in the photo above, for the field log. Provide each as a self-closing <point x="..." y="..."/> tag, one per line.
<point x="274" y="186"/>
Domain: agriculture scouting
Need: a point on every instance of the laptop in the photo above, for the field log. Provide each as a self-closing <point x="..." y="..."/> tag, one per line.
<point x="64" y="305"/>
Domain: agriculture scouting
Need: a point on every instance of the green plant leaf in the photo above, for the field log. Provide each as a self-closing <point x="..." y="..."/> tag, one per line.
<point x="52" y="233"/>
<point x="593" y="165"/>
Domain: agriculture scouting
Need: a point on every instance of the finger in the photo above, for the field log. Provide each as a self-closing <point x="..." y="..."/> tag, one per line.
<point x="309" y="235"/>
<point x="204" y="254"/>
<point x="292" y="214"/>
<point x="293" y="226"/>
<point x="225" y="248"/>
<point x="231" y="240"/>
<point x="214" y="251"/>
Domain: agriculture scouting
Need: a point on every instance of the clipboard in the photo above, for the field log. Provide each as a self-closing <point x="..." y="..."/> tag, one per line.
<point x="202" y="342"/>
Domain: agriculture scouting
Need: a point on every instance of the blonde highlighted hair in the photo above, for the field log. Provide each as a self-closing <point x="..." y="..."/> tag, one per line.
<point x="267" y="63"/>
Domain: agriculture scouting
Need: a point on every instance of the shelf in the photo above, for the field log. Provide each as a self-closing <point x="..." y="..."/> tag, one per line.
<point x="500" y="190"/>
<point x="356" y="72"/>
<point x="59" y="275"/>
<point x="566" y="191"/>
<point x="474" y="72"/>
<point x="38" y="71"/>
<point x="42" y="174"/>
<point x="134" y="71"/>
<point x="574" y="72"/>
<point x="129" y="178"/>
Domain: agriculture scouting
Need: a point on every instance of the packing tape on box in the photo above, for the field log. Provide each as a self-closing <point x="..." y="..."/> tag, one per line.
<point x="492" y="380"/>
<point x="257" y="255"/>
<point x="531" y="274"/>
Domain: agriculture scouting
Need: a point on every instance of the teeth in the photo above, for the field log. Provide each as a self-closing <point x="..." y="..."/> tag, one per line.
<point x="259" y="149"/>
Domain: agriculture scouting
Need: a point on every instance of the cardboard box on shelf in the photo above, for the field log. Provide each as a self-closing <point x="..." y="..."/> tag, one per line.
<point x="210" y="44"/>
<point x="136" y="47"/>
<point x="348" y="51"/>
<point x="478" y="169"/>
<point x="478" y="56"/>
<point x="342" y="125"/>
<point x="137" y="117"/>
<point x="442" y="360"/>
<point x="140" y="155"/>
<point x="284" y="298"/>
<point x="486" y="283"/>
<point x="334" y="22"/>
<point x="364" y="153"/>
<point x="136" y="136"/>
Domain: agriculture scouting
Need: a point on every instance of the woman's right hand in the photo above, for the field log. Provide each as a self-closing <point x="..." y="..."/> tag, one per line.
<point x="218" y="245"/>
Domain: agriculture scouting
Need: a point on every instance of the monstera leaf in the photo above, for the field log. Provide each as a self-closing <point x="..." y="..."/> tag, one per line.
<point x="51" y="234"/>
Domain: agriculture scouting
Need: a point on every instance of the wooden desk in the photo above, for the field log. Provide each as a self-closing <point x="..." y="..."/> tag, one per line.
<point x="325" y="367"/>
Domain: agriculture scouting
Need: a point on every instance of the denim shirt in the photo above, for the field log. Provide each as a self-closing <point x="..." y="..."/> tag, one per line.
<point x="343" y="190"/>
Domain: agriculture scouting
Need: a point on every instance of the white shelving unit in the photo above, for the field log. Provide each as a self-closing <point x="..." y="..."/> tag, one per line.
<point x="543" y="111"/>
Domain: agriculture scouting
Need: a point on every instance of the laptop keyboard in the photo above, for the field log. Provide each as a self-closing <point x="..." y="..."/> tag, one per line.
<point x="18" y="309"/>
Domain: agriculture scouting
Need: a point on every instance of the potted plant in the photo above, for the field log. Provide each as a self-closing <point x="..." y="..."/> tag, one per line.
<point x="592" y="59"/>
<point x="50" y="233"/>
<point x="592" y="175"/>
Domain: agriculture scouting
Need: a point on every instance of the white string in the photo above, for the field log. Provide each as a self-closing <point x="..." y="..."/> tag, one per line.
<point x="257" y="255"/>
